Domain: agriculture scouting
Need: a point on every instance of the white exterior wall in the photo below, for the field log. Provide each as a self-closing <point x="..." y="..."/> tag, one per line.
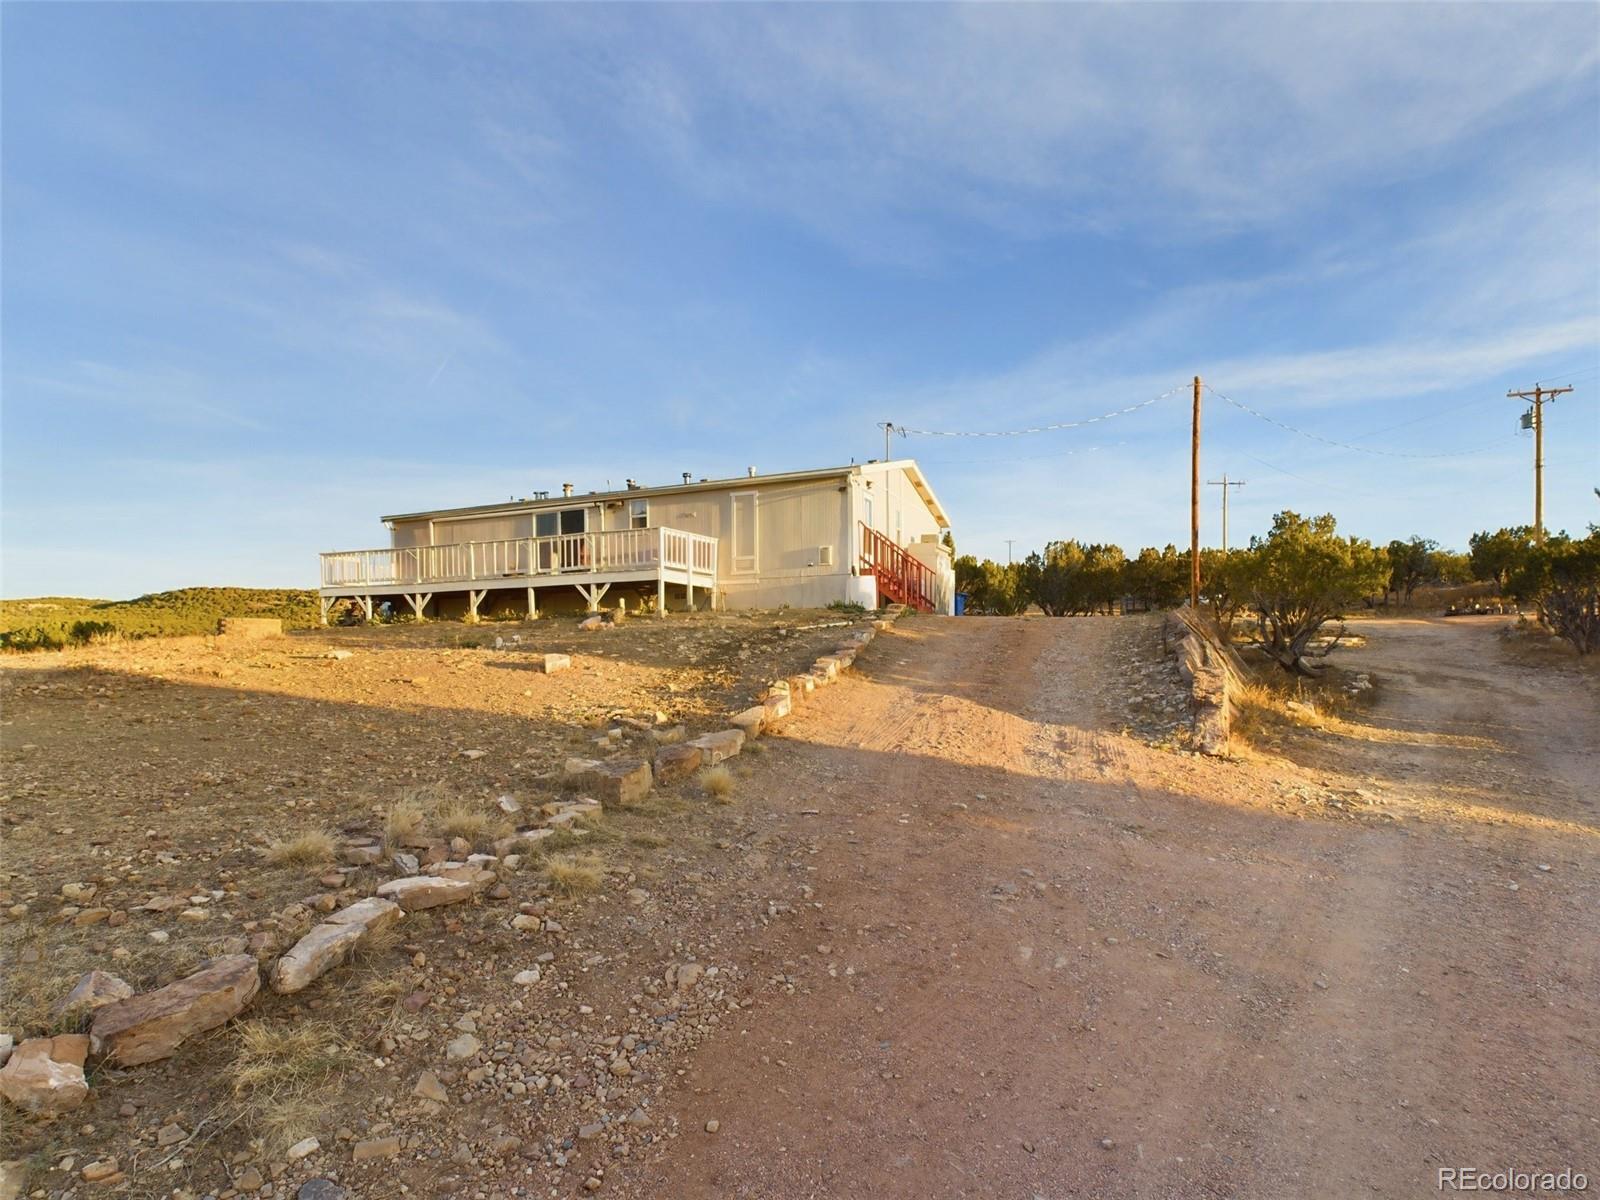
<point x="897" y="510"/>
<point x="937" y="559"/>
<point x="797" y="523"/>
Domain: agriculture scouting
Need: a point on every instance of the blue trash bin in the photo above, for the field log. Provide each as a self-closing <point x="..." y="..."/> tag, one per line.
<point x="961" y="604"/>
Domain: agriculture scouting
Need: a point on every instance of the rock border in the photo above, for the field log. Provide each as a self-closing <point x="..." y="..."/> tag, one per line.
<point x="1213" y="673"/>
<point x="46" y="1075"/>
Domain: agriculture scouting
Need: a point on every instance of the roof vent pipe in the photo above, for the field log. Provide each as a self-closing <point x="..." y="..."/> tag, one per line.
<point x="633" y="485"/>
<point x="686" y="476"/>
<point x="751" y="471"/>
<point x="566" y="489"/>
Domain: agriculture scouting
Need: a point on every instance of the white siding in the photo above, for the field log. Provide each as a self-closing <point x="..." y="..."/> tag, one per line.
<point x="897" y="510"/>
<point x="482" y="529"/>
<point x="797" y="525"/>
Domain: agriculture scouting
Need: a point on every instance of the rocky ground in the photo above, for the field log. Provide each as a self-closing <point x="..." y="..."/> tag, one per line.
<point x="147" y="783"/>
<point x="972" y="922"/>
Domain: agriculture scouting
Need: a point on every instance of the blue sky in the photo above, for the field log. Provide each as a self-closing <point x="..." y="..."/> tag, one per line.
<point x="270" y="271"/>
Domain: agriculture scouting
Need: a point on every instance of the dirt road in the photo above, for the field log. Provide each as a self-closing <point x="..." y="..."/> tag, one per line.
<point x="1045" y="959"/>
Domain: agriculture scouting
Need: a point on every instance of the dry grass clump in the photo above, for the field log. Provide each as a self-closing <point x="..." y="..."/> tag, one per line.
<point x="303" y="849"/>
<point x="648" y="841"/>
<point x="280" y="1078"/>
<point x="402" y="820"/>
<point x="376" y="945"/>
<point x="596" y="828"/>
<point x="463" y="819"/>
<point x="30" y="993"/>
<point x="572" y="874"/>
<point x="717" y="782"/>
<point x="558" y="842"/>
<point x="1275" y="703"/>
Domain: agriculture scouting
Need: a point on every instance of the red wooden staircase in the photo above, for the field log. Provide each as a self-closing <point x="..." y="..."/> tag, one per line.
<point x="901" y="578"/>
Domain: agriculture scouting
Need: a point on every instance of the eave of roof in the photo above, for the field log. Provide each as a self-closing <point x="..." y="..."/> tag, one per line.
<point x="582" y="498"/>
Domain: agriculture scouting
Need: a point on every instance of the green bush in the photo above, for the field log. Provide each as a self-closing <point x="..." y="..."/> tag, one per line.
<point x="32" y="637"/>
<point x="52" y="622"/>
<point x="1562" y="577"/>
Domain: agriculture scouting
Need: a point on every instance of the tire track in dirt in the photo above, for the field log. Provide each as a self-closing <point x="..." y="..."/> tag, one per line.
<point x="1037" y="933"/>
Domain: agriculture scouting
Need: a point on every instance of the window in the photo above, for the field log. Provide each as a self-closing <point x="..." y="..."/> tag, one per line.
<point x="638" y="514"/>
<point x="866" y="509"/>
<point x="568" y="554"/>
<point x="567" y="520"/>
<point x="744" y="532"/>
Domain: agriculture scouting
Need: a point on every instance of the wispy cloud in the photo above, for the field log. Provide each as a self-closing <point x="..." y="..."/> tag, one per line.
<point x="1036" y="119"/>
<point x="95" y="391"/>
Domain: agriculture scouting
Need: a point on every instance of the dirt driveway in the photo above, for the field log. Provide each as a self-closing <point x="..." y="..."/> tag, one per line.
<point x="1041" y="958"/>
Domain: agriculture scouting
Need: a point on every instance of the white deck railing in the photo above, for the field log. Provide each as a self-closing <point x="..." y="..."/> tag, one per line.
<point x="616" y="550"/>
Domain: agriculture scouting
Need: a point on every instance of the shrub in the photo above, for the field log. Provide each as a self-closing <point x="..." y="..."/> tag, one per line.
<point x="1303" y="575"/>
<point x="1562" y="579"/>
<point x="187" y="611"/>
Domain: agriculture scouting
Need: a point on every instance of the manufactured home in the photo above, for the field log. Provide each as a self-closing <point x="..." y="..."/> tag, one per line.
<point x="867" y="533"/>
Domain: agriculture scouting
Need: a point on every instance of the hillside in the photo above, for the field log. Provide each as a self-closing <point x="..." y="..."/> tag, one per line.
<point x="51" y="622"/>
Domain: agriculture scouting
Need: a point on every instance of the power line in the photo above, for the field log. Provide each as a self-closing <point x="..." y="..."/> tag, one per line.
<point x="1016" y="458"/>
<point x="1427" y="416"/>
<point x="1006" y="433"/>
<point x="1317" y="437"/>
<point x="1569" y="375"/>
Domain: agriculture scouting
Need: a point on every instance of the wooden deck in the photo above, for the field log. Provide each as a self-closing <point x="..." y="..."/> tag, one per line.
<point x="589" y="562"/>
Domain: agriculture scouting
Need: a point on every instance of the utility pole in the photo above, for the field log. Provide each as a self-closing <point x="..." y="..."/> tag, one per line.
<point x="1009" y="543"/>
<point x="1194" y="502"/>
<point x="1225" y="483"/>
<point x="1538" y="395"/>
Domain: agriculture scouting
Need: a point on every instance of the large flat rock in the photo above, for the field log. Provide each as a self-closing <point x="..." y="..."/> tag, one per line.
<point x="677" y="761"/>
<point x="416" y="892"/>
<point x="617" y="781"/>
<point x="750" y="722"/>
<point x="151" y="1026"/>
<point x="332" y="942"/>
<point x="715" y="747"/>
<point x="45" y="1075"/>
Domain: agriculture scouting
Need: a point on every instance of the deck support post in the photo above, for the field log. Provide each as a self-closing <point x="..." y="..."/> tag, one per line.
<point x="473" y="600"/>
<point x="689" y="589"/>
<point x="325" y="603"/>
<point x="661" y="596"/>
<point x="593" y="594"/>
<point x="533" y="605"/>
<point x="418" y="602"/>
<point x="366" y="603"/>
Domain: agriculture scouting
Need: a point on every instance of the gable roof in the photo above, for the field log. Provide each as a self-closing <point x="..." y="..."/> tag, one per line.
<point x="677" y="489"/>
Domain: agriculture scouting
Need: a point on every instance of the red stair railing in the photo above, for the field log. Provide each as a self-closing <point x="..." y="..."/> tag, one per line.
<point x="901" y="578"/>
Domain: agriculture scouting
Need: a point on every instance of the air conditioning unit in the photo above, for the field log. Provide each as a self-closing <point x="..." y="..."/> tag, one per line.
<point x="825" y="556"/>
